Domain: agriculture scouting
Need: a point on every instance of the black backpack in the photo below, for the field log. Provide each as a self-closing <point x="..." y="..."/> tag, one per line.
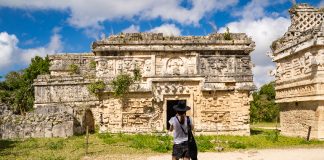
<point x="192" y="146"/>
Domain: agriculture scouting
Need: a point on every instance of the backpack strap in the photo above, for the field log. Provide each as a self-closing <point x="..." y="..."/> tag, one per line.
<point x="181" y="126"/>
<point x="188" y="121"/>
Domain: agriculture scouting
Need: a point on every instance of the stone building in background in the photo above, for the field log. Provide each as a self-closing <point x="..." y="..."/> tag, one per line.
<point x="299" y="57"/>
<point x="211" y="74"/>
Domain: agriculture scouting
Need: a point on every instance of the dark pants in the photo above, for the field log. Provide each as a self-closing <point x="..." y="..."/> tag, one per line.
<point x="180" y="150"/>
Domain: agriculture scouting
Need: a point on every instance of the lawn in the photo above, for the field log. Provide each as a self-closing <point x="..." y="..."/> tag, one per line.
<point x="265" y="125"/>
<point x="123" y="144"/>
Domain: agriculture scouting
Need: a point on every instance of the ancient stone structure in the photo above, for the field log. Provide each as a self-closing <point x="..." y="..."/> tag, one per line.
<point x="211" y="74"/>
<point x="299" y="57"/>
<point x="39" y="123"/>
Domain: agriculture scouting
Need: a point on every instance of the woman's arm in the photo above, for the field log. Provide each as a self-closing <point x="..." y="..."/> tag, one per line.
<point x="171" y="128"/>
<point x="192" y="124"/>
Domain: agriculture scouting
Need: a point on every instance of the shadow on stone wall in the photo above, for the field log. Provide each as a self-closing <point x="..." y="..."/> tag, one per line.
<point x="88" y="120"/>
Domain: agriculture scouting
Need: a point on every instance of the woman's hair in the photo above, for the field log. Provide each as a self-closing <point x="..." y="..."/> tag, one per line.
<point x="182" y="116"/>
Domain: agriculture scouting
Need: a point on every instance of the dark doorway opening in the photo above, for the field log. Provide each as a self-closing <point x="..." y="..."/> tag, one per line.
<point x="170" y="111"/>
<point x="88" y="120"/>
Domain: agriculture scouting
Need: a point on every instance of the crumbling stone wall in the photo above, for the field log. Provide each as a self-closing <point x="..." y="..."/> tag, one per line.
<point x="299" y="57"/>
<point x="38" y="124"/>
<point x="212" y="74"/>
<point x="47" y="121"/>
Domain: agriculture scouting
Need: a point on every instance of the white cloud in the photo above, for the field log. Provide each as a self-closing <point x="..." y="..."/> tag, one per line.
<point x="132" y="29"/>
<point x="54" y="46"/>
<point x="264" y="28"/>
<point x="85" y="14"/>
<point x="263" y="31"/>
<point x="167" y="30"/>
<point x="11" y="54"/>
<point x="321" y="4"/>
<point x="256" y="8"/>
<point x="8" y="45"/>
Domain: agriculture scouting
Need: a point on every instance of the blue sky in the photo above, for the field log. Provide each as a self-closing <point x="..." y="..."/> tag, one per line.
<point x="40" y="27"/>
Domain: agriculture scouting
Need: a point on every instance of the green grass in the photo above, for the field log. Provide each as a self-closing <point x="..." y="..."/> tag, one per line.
<point x="140" y="144"/>
<point x="265" y="124"/>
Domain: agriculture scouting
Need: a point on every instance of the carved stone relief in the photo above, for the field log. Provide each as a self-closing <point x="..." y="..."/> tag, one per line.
<point x="175" y="66"/>
<point x="300" y="91"/>
<point x="226" y="68"/>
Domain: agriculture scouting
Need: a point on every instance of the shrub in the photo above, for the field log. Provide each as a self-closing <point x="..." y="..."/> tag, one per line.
<point x="95" y="87"/>
<point x="121" y="84"/>
<point x="227" y="34"/>
<point x="273" y="136"/>
<point x="137" y="74"/>
<point x="92" y="64"/>
<point x="263" y="107"/>
<point x="74" y="69"/>
<point x="17" y="89"/>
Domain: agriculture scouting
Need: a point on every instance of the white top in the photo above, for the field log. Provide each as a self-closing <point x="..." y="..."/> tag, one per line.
<point x="178" y="135"/>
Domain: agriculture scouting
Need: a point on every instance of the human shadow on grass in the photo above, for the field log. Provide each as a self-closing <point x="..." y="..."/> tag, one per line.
<point x="256" y="131"/>
<point x="6" y="144"/>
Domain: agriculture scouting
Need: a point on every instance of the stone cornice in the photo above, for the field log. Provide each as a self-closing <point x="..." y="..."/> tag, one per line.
<point x="298" y="45"/>
<point x="158" y="42"/>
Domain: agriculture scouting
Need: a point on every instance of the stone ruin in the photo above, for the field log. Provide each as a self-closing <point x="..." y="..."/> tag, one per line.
<point x="42" y="122"/>
<point x="299" y="73"/>
<point x="211" y="74"/>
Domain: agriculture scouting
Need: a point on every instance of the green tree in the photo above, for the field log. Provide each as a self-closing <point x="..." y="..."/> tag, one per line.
<point x="17" y="89"/>
<point x="263" y="107"/>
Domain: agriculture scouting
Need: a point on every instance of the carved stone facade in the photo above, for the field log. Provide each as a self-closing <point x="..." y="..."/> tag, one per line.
<point x="213" y="76"/>
<point x="299" y="57"/>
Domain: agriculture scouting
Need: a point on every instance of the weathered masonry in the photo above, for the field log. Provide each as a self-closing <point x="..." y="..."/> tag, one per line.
<point x="299" y="57"/>
<point x="211" y="74"/>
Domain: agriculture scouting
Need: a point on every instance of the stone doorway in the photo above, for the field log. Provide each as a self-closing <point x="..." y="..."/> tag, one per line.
<point x="170" y="111"/>
<point x="88" y="120"/>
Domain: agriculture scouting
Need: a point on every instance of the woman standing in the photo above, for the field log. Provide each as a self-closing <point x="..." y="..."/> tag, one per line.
<point x="179" y="126"/>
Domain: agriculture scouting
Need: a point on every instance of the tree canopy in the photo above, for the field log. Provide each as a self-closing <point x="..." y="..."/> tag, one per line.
<point x="263" y="107"/>
<point x="17" y="89"/>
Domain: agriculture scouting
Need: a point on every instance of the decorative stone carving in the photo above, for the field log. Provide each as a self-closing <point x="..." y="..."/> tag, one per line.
<point x="213" y="75"/>
<point x="299" y="59"/>
<point x="175" y="66"/>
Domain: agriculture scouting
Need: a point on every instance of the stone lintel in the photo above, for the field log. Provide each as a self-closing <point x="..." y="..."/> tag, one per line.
<point x="70" y="103"/>
<point x="299" y="46"/>
<point x="226" y="86"/>
<point x="317" y="97"/>
<point x="57" y="81"/>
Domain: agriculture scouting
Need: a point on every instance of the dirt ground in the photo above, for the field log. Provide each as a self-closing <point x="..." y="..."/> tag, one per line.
<point x="267" y="154"/>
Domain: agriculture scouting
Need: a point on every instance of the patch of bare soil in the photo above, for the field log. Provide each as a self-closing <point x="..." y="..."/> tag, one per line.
<point x="267" y="154"/>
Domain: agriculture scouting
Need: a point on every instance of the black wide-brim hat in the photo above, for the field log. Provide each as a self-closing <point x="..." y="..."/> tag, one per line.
<point x="181" y="106"/>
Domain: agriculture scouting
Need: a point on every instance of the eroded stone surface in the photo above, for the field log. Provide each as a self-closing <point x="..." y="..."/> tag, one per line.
<point x="213" y="75"/>
<point x="299" y="57"/>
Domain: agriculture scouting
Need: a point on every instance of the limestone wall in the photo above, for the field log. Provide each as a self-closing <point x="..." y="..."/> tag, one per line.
<point x="50" y="89"/>
<point x="212" y="74"/>
<point x="37" y="125"/>
<point x="297" y="117"/>
<point x="299" y="57"/>
<point x="226" y="111"/>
